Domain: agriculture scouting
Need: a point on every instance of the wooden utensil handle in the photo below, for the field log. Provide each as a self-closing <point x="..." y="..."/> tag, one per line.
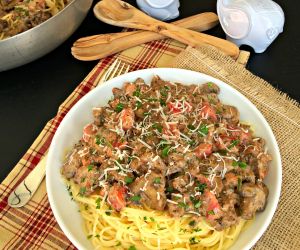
<point x="100" y="46"/>
<point x="193" y="38"/>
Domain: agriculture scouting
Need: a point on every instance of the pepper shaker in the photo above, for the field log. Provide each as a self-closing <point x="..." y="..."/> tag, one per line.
<point x="160" y="9"/>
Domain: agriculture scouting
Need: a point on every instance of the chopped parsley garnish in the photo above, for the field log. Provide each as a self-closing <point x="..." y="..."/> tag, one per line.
<point x="137" y="93"/>
<point x="70" y="192"/>
<point x="145" y="218"/>
<point x="192" y="143"/>
<point x="98" y="203"/>
<point x="203" y="130"/>
<point x="241" y="164"/>
<point x="138" y="104"/>
<point x="119" y="244"/>
<point x="82" y="191"/>
<point x="99" y="140"/>
<point x="239" y="186"/>
<point x="162" y="143"/>
<point x="211" y="212"/>
<point x="97" y="236"/>
<point x="197" y="204"/>
<point x="200" y="186"/>
<point x="132" y="247"/>
<point x="135" y="198"/>
<point x="222" y="152"/>
<point x="146" y="113"/>
<point x="119" y="107"/>
<point x="191" y="127"/>
<point x="192" y="223"/>
<point x="152" y="99"/>
<point x="158" y="127"/>
<point x="82" y="180"/>
<point x="152" y="219"/>
<point x="170" y="189"/>
<point x="22" y="10"/>
<point x="193" y="240"/>
<point x="165" y="152"/>
<point x="89" y="236"/>
<point x="197" y="230"/>
<point x="90" y="168"/>
<point x="218" y="111"/>
<point x="233" y="144"/>
<point x="156" y="180"/>
<point x="183" y="205"/>
<point x="162" y="102"/>
<point x="210" y="85"/>
<point x="108" y="213"/>
<point x="128" y="180"/>
<point x="164" y="91"/>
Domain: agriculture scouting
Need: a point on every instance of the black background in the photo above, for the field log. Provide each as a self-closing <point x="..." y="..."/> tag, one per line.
<point x="31" y="94"/>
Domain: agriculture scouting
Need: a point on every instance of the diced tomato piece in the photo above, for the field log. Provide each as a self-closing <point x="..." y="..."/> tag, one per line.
<point x="220" y="144"/>
<point x="114" y="103"/>
<point x="89" y="130"/>
<point x="127" y="118"/>
<point x="240" y="134"/>
<point x="245" y="136"/>
<point x="116" y="197"/>
<point x="203" y="150"/>
<point x="85" y="162"/>
<point x="120" y="145"/>
<point x="224" y="141"/>
<point x="208" y="112"/>
<point x="179" y="107"/>
<point x="202" y="179"/>
<point x="172" y="131"/>
<point x="212" y="205"/>
<point x="172" y="108"/>
<point x="129" y="89"/>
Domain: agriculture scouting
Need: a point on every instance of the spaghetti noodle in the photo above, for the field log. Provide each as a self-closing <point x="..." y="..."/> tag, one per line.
<point x="147" y="229"/>
<point x="19" y="16"/>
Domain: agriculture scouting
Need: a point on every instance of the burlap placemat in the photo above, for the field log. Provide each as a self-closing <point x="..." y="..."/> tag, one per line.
<point x="283" y="115"/>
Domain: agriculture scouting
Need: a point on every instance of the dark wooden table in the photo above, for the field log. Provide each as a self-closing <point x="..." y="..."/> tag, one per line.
<point x="31" y="94"/>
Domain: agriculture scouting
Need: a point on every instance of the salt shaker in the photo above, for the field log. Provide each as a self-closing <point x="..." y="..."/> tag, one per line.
<point x="160" y="9"/>
<point x="251" y="22"/>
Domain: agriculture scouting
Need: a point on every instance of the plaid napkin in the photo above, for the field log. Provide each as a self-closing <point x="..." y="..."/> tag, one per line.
<point x="34" y="226"/>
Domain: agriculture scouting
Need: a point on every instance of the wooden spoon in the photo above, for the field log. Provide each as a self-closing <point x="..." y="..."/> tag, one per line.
<point x="99" y="46"/>
<point x="119" y="13"/>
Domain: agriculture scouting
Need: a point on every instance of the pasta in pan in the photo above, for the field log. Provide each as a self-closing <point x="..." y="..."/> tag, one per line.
<point x="17" y="16"/>
<point x="167" y="166"/>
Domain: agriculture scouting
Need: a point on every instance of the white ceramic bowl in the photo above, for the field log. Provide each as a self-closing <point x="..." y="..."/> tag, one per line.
<point x="70" y="131"/>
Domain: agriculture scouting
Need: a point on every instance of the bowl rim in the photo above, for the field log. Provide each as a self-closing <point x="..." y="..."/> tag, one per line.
<point x="277" y="188"/>
<point x="39" y="25"/>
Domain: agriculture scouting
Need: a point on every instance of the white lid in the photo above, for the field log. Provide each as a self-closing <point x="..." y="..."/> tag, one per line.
<point x="159" y="3"/>
<point x="235" y="23"/>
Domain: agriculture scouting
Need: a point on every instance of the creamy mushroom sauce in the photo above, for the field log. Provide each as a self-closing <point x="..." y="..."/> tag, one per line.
<point x="172" y="147"/>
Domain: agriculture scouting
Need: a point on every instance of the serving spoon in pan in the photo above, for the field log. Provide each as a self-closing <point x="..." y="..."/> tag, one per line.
<point x="119" y="13"/>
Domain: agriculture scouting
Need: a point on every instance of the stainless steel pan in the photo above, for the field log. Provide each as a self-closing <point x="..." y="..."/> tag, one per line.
<point x="40" y="40"/>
